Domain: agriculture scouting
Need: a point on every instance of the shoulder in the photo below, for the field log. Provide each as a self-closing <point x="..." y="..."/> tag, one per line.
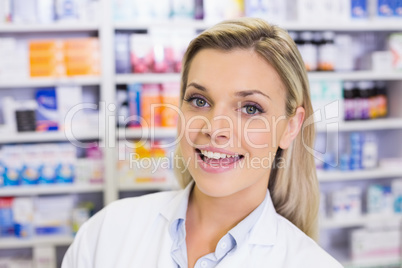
<point x="129" y="212"/>
<point x="148" y="202"/>
<point x="119" y="222"/>
<point x="301" y="249"/>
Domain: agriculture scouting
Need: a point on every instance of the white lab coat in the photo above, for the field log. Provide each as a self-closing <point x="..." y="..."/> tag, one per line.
<point x="134" y="232"/>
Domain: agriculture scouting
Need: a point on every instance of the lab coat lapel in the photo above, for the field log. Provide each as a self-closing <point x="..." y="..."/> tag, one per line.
<point x="165" y="260"/>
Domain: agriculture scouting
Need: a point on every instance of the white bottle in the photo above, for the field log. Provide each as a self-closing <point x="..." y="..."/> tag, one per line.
<point x="308" y="51"/>
<point x="369" y="152"/>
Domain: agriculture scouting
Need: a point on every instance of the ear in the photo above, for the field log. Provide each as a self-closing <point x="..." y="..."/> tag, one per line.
<point x="292" y="128"/>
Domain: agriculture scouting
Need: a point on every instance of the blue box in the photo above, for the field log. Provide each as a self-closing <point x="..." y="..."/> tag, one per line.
<point x="134" y="104"/>
<point x="397" y="7"/>
<point x="47" y="114"/>
<point x="6" y="217"/>
<point x="385" y="8"/>
<point x="359" y="9"/>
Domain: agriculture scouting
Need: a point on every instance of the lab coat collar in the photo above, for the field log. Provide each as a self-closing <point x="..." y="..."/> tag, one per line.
<point x="177" y="207"/>
<point x="264" y="231"/>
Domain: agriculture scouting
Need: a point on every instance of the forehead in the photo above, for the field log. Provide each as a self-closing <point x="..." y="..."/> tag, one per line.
<point x="231" y="71"/>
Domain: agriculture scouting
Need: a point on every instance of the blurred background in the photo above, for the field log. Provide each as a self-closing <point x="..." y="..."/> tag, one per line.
<point x="75" y="76"/>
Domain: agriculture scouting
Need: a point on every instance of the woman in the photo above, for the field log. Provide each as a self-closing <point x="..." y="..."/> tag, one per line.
<point x="250" y="195"/>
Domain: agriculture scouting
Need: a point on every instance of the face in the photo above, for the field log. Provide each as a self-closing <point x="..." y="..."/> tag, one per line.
<point x="234" y="120"/>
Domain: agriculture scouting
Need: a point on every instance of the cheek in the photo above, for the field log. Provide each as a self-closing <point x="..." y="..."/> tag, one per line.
<point x="195" y="123"/>
<point x="189" y="128"/>
<point x="257" y="140"/>
<point x="257" y="133"/>
<point x="264" y="132"/>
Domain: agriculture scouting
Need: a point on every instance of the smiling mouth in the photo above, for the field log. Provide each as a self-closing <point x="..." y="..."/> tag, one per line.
<point x="218" y="159"/>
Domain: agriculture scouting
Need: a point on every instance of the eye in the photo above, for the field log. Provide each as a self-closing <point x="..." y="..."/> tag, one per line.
<point x="251" y="109"/>
<point x="199" y="102"/>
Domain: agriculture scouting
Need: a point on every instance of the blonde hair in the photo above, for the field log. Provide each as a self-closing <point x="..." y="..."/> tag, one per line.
<point x="294" y="188"/>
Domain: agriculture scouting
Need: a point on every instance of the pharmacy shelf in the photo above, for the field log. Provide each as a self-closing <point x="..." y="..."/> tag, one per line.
<point x="55" y="27"/>
<point x="379" y="173"/>
<point x="370" y="264"/>
<point x="373" y="25"/>
<point x="364" y="125"/>
<point x="50" y="189"/>
<point x="9" y="243"/>
<point x="366" y="220"/>
<point x="184" y="24"/>
<point x="50" y="81"/>
<point x="313" y="76"/>
<point x="142" y="133"/>
<point x="151" y="186"/>
<point x="343" y="254"/>
<point x="352" y="26"/>
<point x="146" y="78"/>
<point x="355" y="75"/>
<point x="358" y="125"/>
<point x="23" y="137"/>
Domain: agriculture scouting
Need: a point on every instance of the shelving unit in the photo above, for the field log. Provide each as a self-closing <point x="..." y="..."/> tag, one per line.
<point x="343" y="255"/>
<point x="371" y="264"/>
<point x="46" y="137"/>
<point x="313" y="76"/>
<point x="378" y="173"/>
<point x="353" y="26"/>
<point x="104" y="83"/>
<point x="48" y="82"/>
<point x="107" y="83"/>
<point x="191" y="24"/>
<point x="56" y="27"/>
<point x="154" y="133"/>
<point x="366" y="125"/>
<point x="146" y="78"/>
<point x="360" y="125"/>
<point x="357" y="75"/>
<point x="33" y="190"/>
<point x="365" y="220"/>
<point x="16" y="243"/>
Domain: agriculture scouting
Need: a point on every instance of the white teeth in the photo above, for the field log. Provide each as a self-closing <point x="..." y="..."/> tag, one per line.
<point x="215" y="155"/>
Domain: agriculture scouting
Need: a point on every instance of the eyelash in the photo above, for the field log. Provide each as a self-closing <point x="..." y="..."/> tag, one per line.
<point x="194" y="97"/>
<point x="259" y="109"/>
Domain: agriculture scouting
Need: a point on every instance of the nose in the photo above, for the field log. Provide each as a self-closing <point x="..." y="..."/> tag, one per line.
<point x="218" y="126"/>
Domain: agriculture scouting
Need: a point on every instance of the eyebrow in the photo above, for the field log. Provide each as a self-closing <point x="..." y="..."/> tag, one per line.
<point x="246" y="93"/>
<point x="243" y="93"/>
<point x="197" y="86"/>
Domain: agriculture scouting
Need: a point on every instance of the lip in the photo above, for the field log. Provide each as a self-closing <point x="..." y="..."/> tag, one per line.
<point x="219" y="168"/>
<point x="216" y="150"/>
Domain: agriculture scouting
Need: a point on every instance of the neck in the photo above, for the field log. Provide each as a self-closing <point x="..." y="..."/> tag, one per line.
<point x="223" y="213"/>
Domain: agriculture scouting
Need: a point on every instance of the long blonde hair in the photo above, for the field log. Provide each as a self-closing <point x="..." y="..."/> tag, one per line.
<point x="294" y="188"/>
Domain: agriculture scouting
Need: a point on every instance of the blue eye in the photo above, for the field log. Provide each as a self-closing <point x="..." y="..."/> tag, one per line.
<point x="199" y="102"/>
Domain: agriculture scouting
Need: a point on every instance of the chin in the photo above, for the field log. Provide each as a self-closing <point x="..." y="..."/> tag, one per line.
<point x="215" y="187"/>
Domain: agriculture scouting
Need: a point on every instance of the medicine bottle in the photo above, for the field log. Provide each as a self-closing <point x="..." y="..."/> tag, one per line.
<point x="373" y="113"/>
<point x="382" y="108"/>
<point x="349" y="102"/>
<point x="364" y="90"/>
<point x="308" y="51"/>
<point x="327" y="52"/>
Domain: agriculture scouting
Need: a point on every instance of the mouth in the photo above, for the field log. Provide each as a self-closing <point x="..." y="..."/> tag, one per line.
<point x="218" y="159"/>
